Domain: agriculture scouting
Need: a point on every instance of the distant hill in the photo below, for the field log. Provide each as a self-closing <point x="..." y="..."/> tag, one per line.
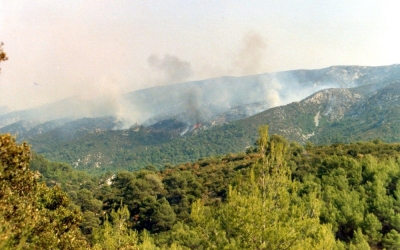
<point x="188" y="121"/>
<point x="337" y="116"/>
<point x="209" y="102"/>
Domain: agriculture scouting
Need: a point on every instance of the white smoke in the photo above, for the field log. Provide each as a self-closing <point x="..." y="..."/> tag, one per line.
<point x="250" y="55"/>
<point x="272" y="88"/>
<point x="172" y="69"/>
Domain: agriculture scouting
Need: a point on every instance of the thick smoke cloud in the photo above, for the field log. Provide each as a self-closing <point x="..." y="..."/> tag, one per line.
<point x="250" y="56"/>
<point x="245" y="60"/>
<point x="66" y="46"/>
<point x="193" y="104"/>
<point x="272" y="89"/>
<point x="172" y="68"/>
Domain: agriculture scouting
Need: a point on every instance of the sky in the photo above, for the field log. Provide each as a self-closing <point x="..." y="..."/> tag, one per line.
<point x="91" y="48"/>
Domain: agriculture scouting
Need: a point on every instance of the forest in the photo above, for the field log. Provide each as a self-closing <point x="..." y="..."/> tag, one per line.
<point x="276" y="195"/>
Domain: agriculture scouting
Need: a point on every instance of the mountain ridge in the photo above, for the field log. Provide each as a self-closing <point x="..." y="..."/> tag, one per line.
<point x="325" y="116"/>
<point x="202" y="101"/>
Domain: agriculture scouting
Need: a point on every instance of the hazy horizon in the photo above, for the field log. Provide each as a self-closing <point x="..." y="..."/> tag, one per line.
<point x="95" y="48"/>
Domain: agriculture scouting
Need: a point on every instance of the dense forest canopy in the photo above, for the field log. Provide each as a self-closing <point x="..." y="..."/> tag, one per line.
<point x="279" y="195"/>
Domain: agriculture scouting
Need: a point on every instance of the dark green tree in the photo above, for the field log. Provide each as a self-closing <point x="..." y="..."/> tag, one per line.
<point x="33" y="216"/>
<point x="265" y="211"/>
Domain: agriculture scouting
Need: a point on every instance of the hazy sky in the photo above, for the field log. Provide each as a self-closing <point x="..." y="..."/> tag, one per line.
<point x="91" y="48"/>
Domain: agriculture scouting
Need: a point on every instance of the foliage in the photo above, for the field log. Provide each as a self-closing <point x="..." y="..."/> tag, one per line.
<point x="281" y="194"/>
<point x="32" y="215"/>
<point x="116" y="234"/>
<point x="263" y="213"/>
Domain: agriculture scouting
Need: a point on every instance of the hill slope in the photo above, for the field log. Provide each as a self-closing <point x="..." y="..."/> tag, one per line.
<point x="331" y="115"/>
<point x="208" y="102"/>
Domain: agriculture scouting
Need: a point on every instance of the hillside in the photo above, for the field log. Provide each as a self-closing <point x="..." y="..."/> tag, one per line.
<point x="328" y="116"/>
<point x="344" y="194"/>
<point x="209" y="102"/>
<point x="187" y="121"/>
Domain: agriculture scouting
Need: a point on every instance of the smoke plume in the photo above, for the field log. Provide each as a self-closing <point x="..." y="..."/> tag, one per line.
<point x="272" y="95"/>
<point x="193" y="104"/>
<point x="250" y="55"/>
<point x="172" y="68"/>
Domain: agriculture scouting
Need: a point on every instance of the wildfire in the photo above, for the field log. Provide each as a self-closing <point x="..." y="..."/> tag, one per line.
<point x="196" y="126"/>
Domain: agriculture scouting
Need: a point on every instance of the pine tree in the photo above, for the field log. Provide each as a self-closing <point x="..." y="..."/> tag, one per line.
<point x="265" y="212"/>
<point x="116" y="234"/>
<point x="33" y="215"/>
